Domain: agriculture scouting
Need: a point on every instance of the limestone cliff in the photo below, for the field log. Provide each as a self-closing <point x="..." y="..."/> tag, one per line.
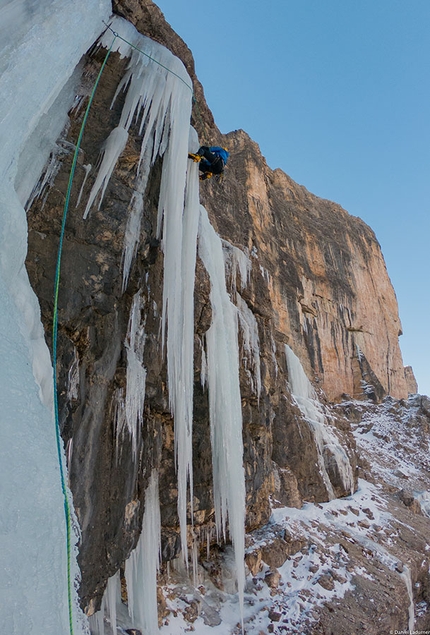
<point x="317" y="287"/>
<point x="328" y="285"/>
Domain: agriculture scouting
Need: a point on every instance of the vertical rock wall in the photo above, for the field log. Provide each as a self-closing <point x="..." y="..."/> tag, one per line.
<point x="317" y="282"/>
<point x="327" y="279"/>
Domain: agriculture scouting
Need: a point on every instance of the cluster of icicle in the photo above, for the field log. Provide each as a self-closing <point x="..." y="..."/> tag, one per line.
<point x="159" y="97"/>
<point x="325" y="437"/>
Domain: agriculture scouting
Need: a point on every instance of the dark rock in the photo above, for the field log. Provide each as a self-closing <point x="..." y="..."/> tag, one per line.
<point x="410" y="501"/>
<point x="275" y="616"/>
<point x="170" y="545"/>
<point x="326" y="581"/>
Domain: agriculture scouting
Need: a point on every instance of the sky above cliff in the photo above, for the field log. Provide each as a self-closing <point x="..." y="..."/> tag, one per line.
<point x="336" y="93"/>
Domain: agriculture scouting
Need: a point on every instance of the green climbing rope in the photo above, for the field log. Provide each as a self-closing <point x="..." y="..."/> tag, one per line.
<point x="67" y="508"/>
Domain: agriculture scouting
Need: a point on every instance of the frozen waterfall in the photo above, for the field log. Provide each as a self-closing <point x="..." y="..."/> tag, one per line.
<point x="52" y="36"/>
<point x="225" y="408"/>
<point x="161" y="101"/>
<point x="142" y="566"/>
<point x="158" y="97"/>
<point x="41" y="44"/>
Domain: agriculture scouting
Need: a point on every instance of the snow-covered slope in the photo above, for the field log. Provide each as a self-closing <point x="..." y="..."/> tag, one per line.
<point x="351" y="565"/>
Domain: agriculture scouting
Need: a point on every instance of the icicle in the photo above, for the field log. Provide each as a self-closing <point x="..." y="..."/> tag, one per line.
<point x="236" y="260"/>
<point x="112" y="595"/>
<point x="48" y="178"/>
<point x="132" y="230"/>
<point x="155" y="92"/>
<point x="158" y="98"/>
<point x="131" y="237"/>
<point x="73" y="378"/>
<point x="136" y="373"/>
<point x="96" y="622"/>
<point x="111" y="150"/>
<point x="251" y="341"/>
<point x="142" y="566"/>
<point x="195" y="552"/>
<point x="179" y="296"/>
<point x="325" y="438"/>
<point x="224" y="400"/>
<point x="87" y="169"/>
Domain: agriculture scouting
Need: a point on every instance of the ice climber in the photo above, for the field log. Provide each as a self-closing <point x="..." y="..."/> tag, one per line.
<point x="212" y="160"/>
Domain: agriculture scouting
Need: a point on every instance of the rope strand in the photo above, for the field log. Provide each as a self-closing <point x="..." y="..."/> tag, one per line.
<point x="117" y="35"/>
<point x="194" y="99"/>
<point x="67" y="507"/>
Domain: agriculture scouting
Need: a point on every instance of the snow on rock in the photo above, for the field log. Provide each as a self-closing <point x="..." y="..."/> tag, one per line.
<point x="355" y="554"/>
<point x="393" y="437"/>
<point x="319" y="554"/>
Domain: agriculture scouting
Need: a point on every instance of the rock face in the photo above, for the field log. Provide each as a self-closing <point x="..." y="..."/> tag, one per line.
<point x="329" y="292"/>
<point x="327" y="282"/>
<point x="317" y="283"/>
<point x="411" y="382"/>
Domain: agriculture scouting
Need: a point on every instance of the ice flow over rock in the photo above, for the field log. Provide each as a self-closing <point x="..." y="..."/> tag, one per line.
<point x="158" y="97"/>
<point x="41" y="44"/>
<point x="326" y="441"/>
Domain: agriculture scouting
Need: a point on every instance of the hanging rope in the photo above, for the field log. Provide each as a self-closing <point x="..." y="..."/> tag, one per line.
<point x="67" y="507"/>
<point x="117" y="35"/>
<point x="194" y="99"/>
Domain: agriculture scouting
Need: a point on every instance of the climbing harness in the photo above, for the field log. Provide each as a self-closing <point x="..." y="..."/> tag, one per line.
<point x="67" y="506"/>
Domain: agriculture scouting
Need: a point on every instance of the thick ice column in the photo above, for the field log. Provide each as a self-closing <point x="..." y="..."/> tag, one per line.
<point x="41" y="44"/>
<point x="142" y="566"/>
<point x="225" y="409"/>
<point x="181" y="350"/>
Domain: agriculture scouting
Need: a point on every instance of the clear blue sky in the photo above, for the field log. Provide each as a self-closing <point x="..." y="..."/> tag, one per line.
<point x="337" y="94"/>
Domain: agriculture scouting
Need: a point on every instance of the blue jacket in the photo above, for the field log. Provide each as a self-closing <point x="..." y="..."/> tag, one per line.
<point x="220" y="152"/>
